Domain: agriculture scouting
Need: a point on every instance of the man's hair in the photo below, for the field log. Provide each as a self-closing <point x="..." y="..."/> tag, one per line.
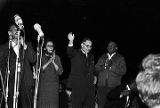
<point x="10" y="28"/>
<point x="148" y="80"/>
<point x="113" y="43"/>
<point x="86" y="39"/>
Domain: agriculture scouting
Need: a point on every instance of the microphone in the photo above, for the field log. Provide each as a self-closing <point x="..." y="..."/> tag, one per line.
<point x="37" y="27"/>
<point x="18" y="21"/>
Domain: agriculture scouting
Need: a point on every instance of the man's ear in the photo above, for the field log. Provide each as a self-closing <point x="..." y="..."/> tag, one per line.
<point x="82" y="44"/>
<point x="116" y="48"/>
<point x="9" y="33"/>
<point x="10" y="36"/>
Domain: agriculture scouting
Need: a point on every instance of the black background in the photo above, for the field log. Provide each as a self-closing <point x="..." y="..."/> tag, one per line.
<point x="133" y="24"/>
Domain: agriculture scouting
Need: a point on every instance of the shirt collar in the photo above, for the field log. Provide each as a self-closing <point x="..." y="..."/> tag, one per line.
<point x="13" y="44"/>
<point x="111" y="55"/>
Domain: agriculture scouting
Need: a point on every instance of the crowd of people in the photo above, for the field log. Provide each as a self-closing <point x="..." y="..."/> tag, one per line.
<point x="89" y="85"/>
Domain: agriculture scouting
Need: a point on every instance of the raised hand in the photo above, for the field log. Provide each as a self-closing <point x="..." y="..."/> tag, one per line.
<point x="70" y="36"/>
<point x="23" y="43"/>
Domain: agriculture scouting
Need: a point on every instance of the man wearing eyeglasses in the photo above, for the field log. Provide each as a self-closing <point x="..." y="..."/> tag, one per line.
<point x="81" y="77"/>
<point x="110" y="68"/>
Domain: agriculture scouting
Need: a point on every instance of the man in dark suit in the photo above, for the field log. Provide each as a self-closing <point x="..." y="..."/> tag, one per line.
<point x="110" y="68"/>
<point x="27" y="57"/>
<point x="81" y="77"/>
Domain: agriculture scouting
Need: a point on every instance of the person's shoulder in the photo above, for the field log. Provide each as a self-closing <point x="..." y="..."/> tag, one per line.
<point x="90" y="54"/>
<point x="4" y="45"/>
<point x="119" y="55"/>
<point x="57" y="56"/>
<point x="29" y="43"/>
<point x="104" y="55"/>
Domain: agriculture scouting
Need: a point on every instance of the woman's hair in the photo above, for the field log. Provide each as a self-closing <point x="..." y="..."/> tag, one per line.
<point x="48" y="40"/>
<point x="45" y="43"/>
<point x="148" y="80"/>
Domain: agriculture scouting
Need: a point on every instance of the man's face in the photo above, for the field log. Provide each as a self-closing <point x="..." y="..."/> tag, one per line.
<point x="13" y="32"/>
<point x="87" y="46"/>
<point x="49" y="47"/>
<point x="111" y="47"/>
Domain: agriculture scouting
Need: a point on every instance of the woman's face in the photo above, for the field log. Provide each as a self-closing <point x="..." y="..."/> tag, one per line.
<point x="49" y="47"/>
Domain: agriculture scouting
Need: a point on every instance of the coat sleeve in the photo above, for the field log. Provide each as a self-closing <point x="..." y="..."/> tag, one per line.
<point x="120" y="67"/>
<point x="99" y="67"/>
<point x="60" y="70"/>
<point x="92" y="65"/>
<point x="31" y="54"/>
<point x="4" y="51"/>
<point x="71" y="52"/>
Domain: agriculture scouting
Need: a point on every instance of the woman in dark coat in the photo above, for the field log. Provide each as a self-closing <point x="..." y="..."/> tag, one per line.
<point x="49" y="78"/>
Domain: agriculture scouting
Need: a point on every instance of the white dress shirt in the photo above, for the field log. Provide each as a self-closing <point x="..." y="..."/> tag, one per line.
<point x="15" y="47"/>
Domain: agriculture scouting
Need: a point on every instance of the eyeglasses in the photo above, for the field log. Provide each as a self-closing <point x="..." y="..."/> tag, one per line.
<point x="49" y="45"/>
<point x="88" y="46"/>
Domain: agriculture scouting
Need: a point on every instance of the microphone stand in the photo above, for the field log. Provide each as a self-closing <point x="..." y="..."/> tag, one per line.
<point x="8" y="74"/>
<point x="17" y="72"/>
<point x="3" y="82"/>
<point x="3" y="90"/>
<point x="38" y="70"/>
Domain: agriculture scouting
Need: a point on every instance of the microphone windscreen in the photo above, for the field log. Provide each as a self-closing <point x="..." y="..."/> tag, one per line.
<point x="37" y="27"/>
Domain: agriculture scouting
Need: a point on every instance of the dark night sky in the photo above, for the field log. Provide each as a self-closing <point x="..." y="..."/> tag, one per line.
<point x="133" y="24"/>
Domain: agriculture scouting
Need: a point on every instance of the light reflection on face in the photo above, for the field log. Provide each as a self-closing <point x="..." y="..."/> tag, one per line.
<point x="87" y="46"/>
<point x="111" y="47"/>
<point x="49" y="46"/>
<point x="13" y="31"/>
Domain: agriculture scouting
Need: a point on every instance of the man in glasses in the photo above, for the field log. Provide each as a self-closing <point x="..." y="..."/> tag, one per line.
<point x="81" y="76"/>
<point x="110" y="68"/>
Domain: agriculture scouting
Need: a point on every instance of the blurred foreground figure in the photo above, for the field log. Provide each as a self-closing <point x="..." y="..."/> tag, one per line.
<point x="148" y="81"/>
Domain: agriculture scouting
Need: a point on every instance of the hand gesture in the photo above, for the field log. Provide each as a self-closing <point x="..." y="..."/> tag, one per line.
<point x="53" y="56"/>
<point x="70" y="36"/>
<point x="51" y="59"/>
<point x="23" y="43"/>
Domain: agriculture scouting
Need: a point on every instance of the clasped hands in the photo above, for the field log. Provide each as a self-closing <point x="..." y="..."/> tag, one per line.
<point x="52" y="58"/>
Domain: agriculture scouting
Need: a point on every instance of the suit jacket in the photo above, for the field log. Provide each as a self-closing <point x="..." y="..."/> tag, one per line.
<point x="26" y="74"/>
<point x="111" y="76"/>
<point x="82" y="67"/>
